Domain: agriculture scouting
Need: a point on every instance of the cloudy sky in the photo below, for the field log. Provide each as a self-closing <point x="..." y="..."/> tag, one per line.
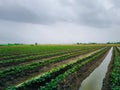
<point x="59" y="21"/>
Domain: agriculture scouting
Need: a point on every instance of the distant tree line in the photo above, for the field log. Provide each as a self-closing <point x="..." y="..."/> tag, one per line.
<point x="87" y="43"/>
<point x="99" y="43"/>
<point x="11" y="44"/>
<point x="113" y="42"/>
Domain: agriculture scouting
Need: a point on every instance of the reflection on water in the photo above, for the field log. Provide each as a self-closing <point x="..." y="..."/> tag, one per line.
<point x="95" y="79"/>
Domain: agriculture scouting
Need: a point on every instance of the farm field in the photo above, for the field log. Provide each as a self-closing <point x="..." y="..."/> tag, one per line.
<point x="59" y="45"/>
<point x="55" y="67"/>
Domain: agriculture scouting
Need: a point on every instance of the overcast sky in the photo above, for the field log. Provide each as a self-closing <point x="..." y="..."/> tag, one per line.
<point x="59" y="21"/>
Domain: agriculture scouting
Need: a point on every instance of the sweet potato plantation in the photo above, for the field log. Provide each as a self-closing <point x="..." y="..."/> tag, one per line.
<point x="55" y="67"/>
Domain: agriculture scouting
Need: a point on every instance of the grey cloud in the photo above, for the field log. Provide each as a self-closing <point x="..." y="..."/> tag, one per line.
<point x="59" y="21"/>
<point x="22" y="14"/>
<point x="19" y="14"/>
<point x="88" y="12"/>
<point x="12" y="32"/>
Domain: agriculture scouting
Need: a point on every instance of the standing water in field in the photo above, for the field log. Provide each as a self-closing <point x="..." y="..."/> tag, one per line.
<point x="95" y="79"/>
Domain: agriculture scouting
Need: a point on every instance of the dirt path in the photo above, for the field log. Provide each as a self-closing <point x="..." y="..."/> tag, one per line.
<point x="73" y="81"/>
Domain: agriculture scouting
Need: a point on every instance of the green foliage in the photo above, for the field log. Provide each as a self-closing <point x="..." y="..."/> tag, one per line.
<point x="15" y="61"/>
<point x="57" y="74"/>
<point x="52" y="85"/>
<point x="18" y="69"/>
<point x="115" y="75"/>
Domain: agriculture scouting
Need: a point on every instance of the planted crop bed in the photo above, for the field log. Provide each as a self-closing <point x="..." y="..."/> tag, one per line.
<point x="112" y="79"/>
<point x="43" y="67"/>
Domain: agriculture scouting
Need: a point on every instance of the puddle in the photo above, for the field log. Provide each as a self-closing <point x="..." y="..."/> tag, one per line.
<point x="95" y="79"/>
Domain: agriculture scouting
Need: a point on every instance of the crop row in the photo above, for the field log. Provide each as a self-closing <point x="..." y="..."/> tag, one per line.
<point x="25" y="70"/>
<point x="16" y="50"/>
<point x="7" y="73"/>
<point x="27" y="49"/>
<point x="44" y="54"/>
<point x="53" y="83"/>
<point x="115" y="75"/>
<point x="49" y="79"/>
<point x="34" y="54"/>
<point x="12" y="62"/>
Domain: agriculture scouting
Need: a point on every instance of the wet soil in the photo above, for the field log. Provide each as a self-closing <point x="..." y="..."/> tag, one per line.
<point x="73" y="81"/>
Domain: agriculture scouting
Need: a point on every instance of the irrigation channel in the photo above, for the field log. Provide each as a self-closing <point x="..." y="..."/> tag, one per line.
<point x="95" y="80"/>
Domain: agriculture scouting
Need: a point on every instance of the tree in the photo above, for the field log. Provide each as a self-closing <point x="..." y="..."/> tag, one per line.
<point x="36" y="43"/>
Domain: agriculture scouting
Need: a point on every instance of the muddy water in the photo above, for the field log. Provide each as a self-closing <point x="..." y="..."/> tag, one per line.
<point x="95" y="79"/>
